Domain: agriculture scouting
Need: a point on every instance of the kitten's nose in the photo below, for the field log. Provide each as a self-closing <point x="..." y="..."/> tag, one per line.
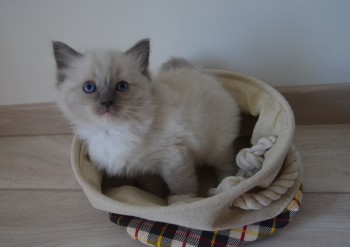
<point x="107" y="103"/>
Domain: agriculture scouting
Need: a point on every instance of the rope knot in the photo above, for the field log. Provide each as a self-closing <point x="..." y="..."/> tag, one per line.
<point x="250" y="160"/>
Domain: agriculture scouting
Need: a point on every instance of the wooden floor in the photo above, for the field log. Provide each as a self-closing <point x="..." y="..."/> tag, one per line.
<point x="41" y="204"/>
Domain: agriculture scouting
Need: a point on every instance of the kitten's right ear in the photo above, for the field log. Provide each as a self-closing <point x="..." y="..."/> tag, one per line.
<point x="64" y="54"/>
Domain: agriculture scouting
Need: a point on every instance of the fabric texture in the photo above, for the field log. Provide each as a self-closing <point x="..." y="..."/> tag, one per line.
<point x="168" y="235"/>
<point x="275" y="118"/>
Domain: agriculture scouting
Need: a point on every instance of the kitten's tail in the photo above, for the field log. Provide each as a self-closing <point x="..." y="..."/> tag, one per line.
<point x="175" y="63"/>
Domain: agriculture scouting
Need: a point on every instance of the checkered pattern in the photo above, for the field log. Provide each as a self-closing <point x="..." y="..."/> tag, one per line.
<point x="165" y="235"/>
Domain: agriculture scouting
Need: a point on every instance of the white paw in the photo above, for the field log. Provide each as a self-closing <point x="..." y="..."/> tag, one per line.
<point x="178" y="198"/>
<point x="227" y="184"/>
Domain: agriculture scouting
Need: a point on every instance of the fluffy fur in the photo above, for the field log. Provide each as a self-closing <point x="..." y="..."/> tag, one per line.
<point x="165" y="124"/>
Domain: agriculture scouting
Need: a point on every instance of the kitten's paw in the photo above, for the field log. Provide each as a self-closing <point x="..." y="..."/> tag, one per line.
<point x="178" y="198"/>
<point x="226" y="185"/>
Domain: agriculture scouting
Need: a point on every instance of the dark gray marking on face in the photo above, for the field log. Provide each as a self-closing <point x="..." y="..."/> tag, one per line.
<point x="107" y="97"/>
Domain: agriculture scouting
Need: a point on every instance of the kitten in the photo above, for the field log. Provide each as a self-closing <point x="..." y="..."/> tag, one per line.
<point x="134" y="123"/>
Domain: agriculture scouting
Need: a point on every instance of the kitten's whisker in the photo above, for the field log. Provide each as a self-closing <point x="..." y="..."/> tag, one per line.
<point x="131" y="113"/>
<point x="131" y="118"/>
<point x="138" y="107"/>
<point x="139" y="101"/>
<point x="134" y="115"/>
<point x="138" y="104"/>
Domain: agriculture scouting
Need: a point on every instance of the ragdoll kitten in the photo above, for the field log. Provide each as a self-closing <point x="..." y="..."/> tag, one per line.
<point x="134" y="123"/>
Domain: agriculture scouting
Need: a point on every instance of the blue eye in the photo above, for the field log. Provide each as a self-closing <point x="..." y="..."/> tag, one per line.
<point x="122" y="86"/>
<point x="89" y="87"/>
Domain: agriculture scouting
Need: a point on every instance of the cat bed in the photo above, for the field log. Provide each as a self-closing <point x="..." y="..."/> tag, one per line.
<point x="162" y="234"/>
<point x="265" y="192"/>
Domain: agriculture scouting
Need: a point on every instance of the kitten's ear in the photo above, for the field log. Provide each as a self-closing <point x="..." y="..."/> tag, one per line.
<point x="141" y="52"/>
<point x="64" y="54"/>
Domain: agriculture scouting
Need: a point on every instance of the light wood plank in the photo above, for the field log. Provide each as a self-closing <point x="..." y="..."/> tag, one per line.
<point x="56" y="218"/>
<point x="65" y="218"/>
<point x="325" y="153"/>
<point x="32" y="119"/>
<point x="34" y="162"/>
<point x="43" y="162"/>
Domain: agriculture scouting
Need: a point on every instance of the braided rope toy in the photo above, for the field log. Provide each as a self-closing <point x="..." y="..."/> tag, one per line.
<point x="250" y="161"/>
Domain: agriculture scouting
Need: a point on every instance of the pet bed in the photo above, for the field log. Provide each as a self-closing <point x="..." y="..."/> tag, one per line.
<point x="261" y="199"/>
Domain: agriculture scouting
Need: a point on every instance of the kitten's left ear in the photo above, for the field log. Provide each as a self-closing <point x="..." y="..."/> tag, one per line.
<point x="141" y="52"/>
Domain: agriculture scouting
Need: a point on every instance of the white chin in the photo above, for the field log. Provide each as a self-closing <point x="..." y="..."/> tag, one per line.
<point x="107" y="115"/>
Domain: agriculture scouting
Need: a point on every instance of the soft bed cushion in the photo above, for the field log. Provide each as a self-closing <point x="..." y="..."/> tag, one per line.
<point x="275" y="118"/>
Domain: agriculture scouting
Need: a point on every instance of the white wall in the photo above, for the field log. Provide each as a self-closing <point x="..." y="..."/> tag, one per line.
<point x="279" y="42"/>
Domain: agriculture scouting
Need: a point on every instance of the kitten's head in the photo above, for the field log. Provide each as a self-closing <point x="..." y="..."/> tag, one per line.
<point x="103" y="87"/>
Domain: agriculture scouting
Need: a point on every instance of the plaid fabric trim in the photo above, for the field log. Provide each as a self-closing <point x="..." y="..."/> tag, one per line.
<point x="168" y="235"/>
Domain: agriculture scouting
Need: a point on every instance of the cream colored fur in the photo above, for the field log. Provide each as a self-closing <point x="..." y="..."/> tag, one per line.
<point x="165" y="124"/>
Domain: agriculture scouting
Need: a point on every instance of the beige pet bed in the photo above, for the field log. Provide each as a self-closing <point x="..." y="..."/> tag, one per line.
<point x="242" y="201"/>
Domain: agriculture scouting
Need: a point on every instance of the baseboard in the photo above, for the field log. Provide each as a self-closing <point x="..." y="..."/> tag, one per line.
<point x="319" y="104"/>
<point x="314" y="104"/>
<point x="32" y="119"/>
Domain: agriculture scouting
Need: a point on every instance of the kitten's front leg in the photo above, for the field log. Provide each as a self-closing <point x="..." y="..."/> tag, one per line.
<point x="179" y="174"/>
